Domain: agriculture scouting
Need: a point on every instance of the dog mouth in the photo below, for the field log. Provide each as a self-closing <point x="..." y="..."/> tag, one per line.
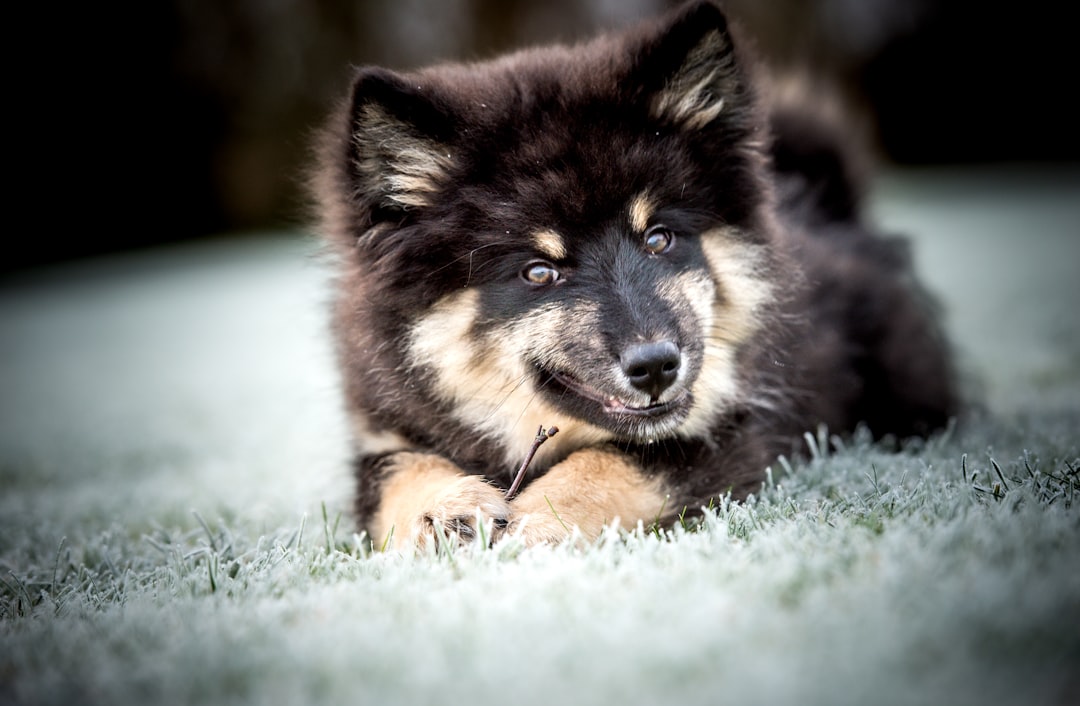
<point x="567" y="388"/>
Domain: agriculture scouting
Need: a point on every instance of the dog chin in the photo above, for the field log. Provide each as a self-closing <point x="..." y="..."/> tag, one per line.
<point x="627" y="419"/>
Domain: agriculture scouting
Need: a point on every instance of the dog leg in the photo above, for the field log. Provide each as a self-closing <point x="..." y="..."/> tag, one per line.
<point x="422" y="491"/>
<point x="590" y="489"/>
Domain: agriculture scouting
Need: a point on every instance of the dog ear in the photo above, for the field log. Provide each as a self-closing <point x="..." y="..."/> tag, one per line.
<point x="688" y="69"/>
<point x="398" y="146"/>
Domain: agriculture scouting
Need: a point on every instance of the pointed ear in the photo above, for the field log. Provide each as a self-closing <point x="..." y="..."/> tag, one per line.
<point x="688" y="68"/>
<point x="398" y="146"/>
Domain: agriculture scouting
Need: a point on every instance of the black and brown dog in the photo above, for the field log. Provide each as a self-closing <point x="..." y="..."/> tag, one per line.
<point x="635" y="240"/>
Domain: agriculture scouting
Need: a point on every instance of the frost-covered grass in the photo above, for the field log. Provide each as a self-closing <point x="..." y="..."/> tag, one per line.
<point x="174" y="527"/>
<point x="861" y="577"/>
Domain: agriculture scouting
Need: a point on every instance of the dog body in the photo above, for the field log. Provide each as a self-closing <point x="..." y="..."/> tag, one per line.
<point x="629" y="240"/>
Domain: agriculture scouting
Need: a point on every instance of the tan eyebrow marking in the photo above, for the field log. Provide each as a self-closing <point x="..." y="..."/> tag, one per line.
<point x="641" y="210"/>
<point x="550" y="243"/>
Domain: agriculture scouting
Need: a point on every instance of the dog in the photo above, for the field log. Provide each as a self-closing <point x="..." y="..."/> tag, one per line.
<point x="638" y="240"/>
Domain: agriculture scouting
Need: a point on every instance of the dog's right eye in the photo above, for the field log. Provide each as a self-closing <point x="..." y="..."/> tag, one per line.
<point x="540" y="273"/>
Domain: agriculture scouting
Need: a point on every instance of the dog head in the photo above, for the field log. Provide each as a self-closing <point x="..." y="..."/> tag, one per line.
<point x="564" y="236"/>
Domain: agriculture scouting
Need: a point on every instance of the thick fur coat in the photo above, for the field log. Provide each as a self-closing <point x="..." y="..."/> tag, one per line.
<point x="637" y="240"/>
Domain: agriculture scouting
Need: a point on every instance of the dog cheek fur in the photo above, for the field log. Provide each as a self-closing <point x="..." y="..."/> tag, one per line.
<point x="735" y="315"/>
<point x="483" y="376"/>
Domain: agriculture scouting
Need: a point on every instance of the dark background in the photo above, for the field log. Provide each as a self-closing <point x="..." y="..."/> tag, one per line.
<point x="177" y="119"/>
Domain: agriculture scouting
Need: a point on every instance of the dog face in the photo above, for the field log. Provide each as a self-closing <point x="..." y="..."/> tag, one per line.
<point x="629" y="332"/>
<point x="565" y="237"/>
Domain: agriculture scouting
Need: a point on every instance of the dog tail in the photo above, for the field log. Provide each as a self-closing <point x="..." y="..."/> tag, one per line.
<point x="819" y="151"/>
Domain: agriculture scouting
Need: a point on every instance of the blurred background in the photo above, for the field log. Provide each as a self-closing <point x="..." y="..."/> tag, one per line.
<point x="152" y="122"/>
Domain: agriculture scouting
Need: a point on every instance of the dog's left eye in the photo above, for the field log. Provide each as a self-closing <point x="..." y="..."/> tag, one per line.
<point x="540" y="273"/>
<point x="658" y="240"/>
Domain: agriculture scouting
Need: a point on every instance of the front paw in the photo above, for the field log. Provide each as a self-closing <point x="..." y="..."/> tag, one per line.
<point x="578" y="497"/>
<point x="427" y="501"/>
<point x="464" y="511"/>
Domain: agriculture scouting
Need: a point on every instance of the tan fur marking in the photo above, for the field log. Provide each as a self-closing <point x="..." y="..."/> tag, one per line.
<point x="589" y="490"/>
<point x="641" y="210"/>
<point x="745" y="287"/>
<point x="421" y="489"/>
<point x="742" y="290"/>
<point x="441" y="339"/>
<point x="550" y="243"/>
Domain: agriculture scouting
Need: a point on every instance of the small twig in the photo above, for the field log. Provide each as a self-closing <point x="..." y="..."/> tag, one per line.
<point x="541" y="437"/>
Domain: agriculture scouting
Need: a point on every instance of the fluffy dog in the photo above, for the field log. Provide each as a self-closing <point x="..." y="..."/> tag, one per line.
<point x="634" y="240"/>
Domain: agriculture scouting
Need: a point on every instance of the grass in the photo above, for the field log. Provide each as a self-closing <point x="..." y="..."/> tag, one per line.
<point x="174" y="522"/>
<point x="942" y="574"/>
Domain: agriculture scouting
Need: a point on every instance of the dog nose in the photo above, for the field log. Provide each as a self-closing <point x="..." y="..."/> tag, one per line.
<point x="651" y="367"/>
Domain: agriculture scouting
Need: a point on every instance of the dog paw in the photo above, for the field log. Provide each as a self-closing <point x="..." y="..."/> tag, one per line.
<point x="467" y="509"/>
<point x="428" y="501"/>
<point x="582" y="495"/>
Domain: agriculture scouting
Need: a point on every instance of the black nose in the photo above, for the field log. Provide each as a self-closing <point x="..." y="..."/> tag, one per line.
<point x="651" y="367"/>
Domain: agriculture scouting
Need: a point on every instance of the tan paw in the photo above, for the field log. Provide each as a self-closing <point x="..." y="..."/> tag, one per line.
<point x="465" y="510"/>
<point x="589" y="490"/>
<point x="428" y="501"/>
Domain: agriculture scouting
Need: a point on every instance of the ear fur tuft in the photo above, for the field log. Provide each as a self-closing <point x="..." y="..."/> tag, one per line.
<point x="692" y="68"/>
<point x="398" y="154"/>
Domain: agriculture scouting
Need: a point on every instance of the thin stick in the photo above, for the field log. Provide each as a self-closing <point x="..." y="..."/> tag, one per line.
<point x="541" y="437"/>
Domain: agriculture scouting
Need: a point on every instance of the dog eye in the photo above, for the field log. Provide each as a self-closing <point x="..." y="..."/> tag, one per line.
<point x="540" y="273"/>
<point x="658" y="240"/>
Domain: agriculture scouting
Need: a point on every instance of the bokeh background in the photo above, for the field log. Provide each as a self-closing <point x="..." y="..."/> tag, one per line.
<point x="142" y="123"/>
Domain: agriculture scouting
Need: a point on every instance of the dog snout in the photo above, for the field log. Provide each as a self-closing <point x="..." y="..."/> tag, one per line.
<point x="651" y="367"/>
